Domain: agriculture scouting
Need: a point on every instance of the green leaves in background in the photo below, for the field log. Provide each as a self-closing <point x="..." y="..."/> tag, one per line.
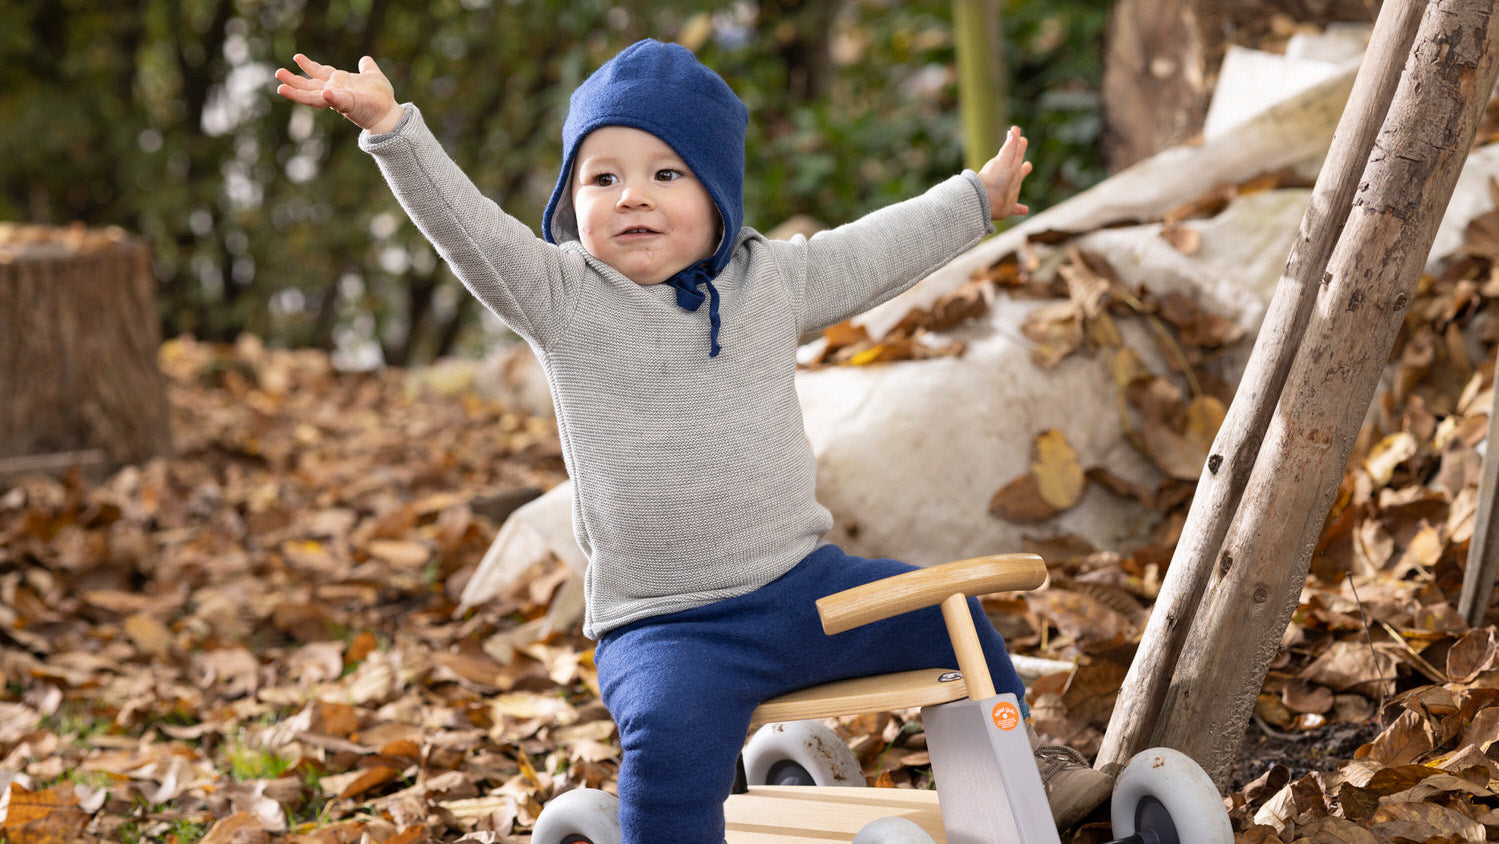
<point x="160" y="116"/>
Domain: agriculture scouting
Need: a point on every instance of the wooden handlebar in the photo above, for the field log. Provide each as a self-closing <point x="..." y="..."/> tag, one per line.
<point x="927" y="587"/>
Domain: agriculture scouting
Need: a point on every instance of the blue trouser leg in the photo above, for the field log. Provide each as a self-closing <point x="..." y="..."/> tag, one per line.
<point x="682" y="687"/>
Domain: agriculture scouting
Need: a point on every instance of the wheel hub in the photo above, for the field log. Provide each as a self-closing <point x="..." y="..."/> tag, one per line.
<point x="1154" y="823"/>
<point x="787" y="772"/>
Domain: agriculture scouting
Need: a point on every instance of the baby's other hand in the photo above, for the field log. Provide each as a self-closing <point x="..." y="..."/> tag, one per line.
<point x="366" y="98"/>
<point x="1003" y="174"/>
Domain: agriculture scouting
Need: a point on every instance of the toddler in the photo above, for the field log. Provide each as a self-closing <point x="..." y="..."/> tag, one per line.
<point x="668" y="332"/>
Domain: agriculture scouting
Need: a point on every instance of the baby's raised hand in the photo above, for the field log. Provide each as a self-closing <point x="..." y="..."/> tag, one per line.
<point x="1003" y="174"/>
<point x="366" y="98"/>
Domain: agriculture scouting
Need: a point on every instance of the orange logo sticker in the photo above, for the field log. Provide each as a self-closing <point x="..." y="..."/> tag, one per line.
<point x="1005" y="715"/>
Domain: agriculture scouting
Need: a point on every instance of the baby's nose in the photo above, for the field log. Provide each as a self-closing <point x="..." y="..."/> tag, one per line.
<point x="635" y="194"/>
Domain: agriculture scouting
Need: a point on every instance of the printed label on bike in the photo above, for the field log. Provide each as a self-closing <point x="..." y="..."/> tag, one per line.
<point x="1006" y="715"/>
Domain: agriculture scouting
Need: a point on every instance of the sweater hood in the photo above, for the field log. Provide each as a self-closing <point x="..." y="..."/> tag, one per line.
<point x="662" y="89"/>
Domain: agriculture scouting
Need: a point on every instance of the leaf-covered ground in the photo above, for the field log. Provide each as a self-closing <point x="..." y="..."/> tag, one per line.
<point x="255" y="640"/>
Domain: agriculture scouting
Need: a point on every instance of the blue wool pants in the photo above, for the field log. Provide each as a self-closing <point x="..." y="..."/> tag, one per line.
<point x="681" y="687"/>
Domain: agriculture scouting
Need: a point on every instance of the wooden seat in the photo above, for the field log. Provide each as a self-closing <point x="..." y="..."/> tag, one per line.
<point x="946" y="585"/>
<point x="882" y="693"/>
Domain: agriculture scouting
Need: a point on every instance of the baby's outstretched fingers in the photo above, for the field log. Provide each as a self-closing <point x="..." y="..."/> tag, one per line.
<point x="315" y="70"/>
<point x="304" y="89"/>
<point x="367" y="64"/>
<point x="299" y="89"/>
<point x="338" y="97"/>
<point x="1003" y="174"/>
<point x="366" y="97"/>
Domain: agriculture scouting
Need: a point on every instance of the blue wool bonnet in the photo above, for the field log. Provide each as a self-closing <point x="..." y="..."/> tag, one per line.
<point x="663" y="89"/>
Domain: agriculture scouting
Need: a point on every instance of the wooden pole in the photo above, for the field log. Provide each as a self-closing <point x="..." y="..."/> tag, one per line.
<point x="981" y="78"/>
<point x="1483" y="549"/>
<point x="965" y="645"/>
<point x="1256" y="583"/>
<point x="1238" y="441"/>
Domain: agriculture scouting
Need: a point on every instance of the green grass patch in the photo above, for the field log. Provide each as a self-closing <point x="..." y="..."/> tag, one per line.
<point x="252" y="763"/>
<point x="77" y="722"/>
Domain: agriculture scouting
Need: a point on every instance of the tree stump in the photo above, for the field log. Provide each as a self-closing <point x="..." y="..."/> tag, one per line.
<point x="79" y="335"/>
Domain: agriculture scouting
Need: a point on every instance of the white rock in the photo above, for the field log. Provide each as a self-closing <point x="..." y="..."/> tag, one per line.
<point x="909" y="454"/>
<point x="536" y="529"/>
<point x="1251" y="81"/>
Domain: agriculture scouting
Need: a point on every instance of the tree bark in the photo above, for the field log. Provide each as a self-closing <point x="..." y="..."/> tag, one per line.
<point x="79" y="334"/>
<point x="1238" y="441"/>
<point x="1155" y="79"/>
<point x="1258" y="577"/>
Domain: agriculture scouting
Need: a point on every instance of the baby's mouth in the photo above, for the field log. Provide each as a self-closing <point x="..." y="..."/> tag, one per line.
<point x="638" y="230"/>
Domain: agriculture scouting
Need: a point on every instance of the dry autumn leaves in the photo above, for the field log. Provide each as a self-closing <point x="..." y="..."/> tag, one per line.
<point x="254" y="641"/>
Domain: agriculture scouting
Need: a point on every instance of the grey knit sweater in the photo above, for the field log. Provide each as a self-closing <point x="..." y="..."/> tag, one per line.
<point x="693" y="478"/>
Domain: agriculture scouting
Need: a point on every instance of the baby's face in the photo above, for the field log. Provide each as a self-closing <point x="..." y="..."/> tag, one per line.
<point x="639" y="209"/>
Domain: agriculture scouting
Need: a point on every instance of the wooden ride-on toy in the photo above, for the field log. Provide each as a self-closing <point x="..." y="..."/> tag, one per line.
<point x="804" y="784"/>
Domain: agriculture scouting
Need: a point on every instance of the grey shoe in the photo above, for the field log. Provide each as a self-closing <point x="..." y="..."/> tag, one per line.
<point x="1073" y="788"/>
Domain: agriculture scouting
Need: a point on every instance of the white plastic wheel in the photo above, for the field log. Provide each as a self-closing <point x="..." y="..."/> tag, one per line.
<point x="1168" y="799"/>
<point x="579" y="816"/>
<point x="808" y="744"/>
<point x="892" y="831"/>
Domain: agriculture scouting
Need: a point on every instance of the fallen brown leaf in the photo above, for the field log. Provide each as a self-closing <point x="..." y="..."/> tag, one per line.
<point x="1183" y="239"/>
<point x="1021" y="501"/>
<point x="238" y="828"/>
<point x="1059" y="478"/>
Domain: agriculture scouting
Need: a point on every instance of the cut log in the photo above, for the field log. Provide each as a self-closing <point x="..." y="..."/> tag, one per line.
<point x="52" y="464"/>
<point x="79" y="335"/>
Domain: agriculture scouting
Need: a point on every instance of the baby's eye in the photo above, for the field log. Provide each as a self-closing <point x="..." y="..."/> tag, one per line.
<point x="668" y="175"/>
<point x="602" y="180"/>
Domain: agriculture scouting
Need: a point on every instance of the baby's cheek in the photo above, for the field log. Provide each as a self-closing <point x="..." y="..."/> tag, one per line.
<point x="709" y="232"/>
<point x="585" y="236"/>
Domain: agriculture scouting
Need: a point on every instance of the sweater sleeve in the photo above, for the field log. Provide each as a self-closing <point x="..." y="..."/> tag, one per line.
<point x="528" y="283"/>
<point x="839" y="273"/>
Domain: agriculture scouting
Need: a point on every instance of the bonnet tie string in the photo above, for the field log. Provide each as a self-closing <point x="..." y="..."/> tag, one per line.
<point x="689" y="298"/>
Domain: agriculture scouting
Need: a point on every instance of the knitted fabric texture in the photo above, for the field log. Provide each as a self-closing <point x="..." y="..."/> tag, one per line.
<point x="663" y="89"/>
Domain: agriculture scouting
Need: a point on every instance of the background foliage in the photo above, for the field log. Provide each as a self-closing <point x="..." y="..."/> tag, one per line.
<point x="159" y="116"/>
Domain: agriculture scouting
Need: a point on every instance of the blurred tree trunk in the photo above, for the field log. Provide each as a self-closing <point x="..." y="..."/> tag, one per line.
<point x="981" y="78"/>
<point x="78" y="363"/>
<point x="1161" y="61"/>
<point x="800" y="32"/>
<point x="1155" y="89"/>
